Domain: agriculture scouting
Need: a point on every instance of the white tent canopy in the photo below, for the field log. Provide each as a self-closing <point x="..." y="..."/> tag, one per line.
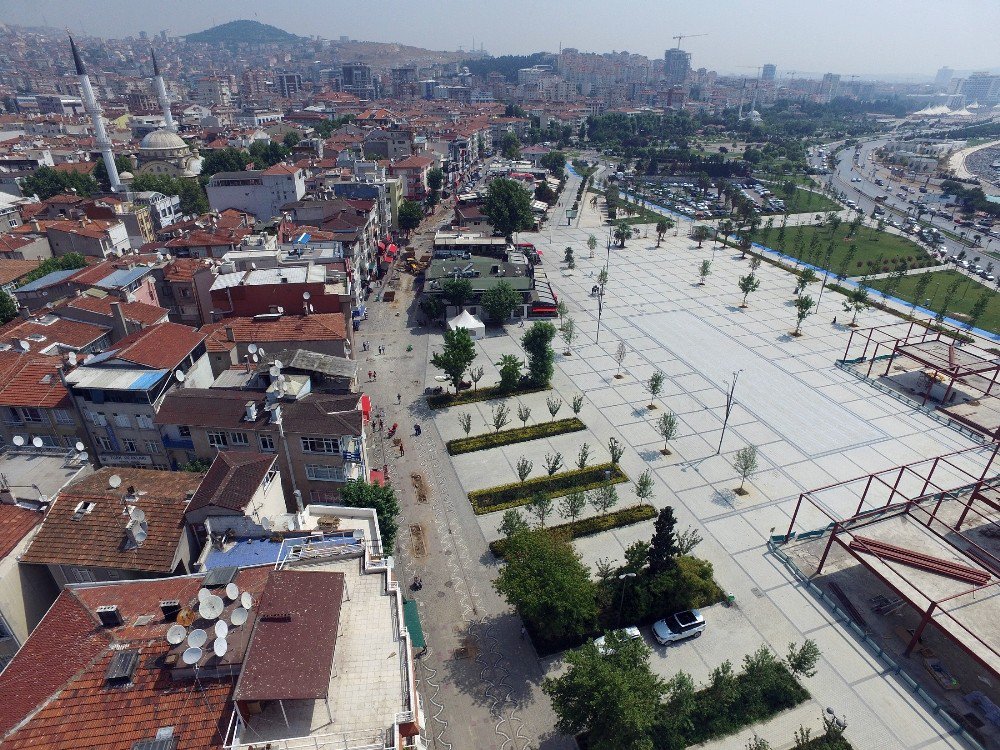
<point x="465" y="319"/>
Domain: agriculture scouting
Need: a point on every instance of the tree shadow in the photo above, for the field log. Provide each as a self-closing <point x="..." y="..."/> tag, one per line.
<point x="650" y="455"/>
<point x="735" y="308"/>
<point x="726" y="498"/>
<point x="786" y="338"/>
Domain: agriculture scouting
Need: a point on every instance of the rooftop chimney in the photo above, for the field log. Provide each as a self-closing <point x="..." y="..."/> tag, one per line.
<point x="119" y="326"/>
<point x="230" y="336"/>
<point x="251" y="413"/>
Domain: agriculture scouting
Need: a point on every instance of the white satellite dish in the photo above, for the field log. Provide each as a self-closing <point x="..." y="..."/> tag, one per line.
<point x="252" y="348"/>
<point x="210" y="608"/>
<point x="203" y="594"/>
<point x="191" y="655"/>
<point x="84" y="456"/>
<point x="261" y="352"/>
<point x="221" y="629"/>
<point x="79" y="446"/>
<point x="114" y="481"/>
<point x="274" y="371"/>
<point x="36" y="441"/>
<point x="176" y="634"/>
<point x="246" y="600"/>
<point x="232" y="591"/>
<point x="18" y="441"/>
<point x="72" y="358"/>
<point x="197" y="638"/>
<point x="141" y="534"/>
<point x="254" y="358"/>
<point x="306" y="295"/>
<point x="180" y="376"/>
<point x="265" y="522"/>
<point x="137" y="514"/>
<point x="220" y="647"/>
<point x="277" y="363"/>
<point x="239" y="617"/>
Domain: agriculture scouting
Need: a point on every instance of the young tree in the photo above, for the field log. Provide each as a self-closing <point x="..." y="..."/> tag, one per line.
<point x="523" y="413"/>
<point x="748" y="284"/>
<point x="754" y="264"/>
<point x="457" y="291"/>
<point x="524" y="467"/>
<point x="614" y="697"/>
<point x="704" y="270"/>
<point x="666" y="426"/>
<point x="979" y="308"/>
<point x="856" y="302"/>
<point x="576" y="404"/>
<point x="661" y="229"/>
<point x="620" y="353"/>
<point x="644" y="486"/>
<point x="654" y="386"/>
<point x="361" y="494"/>
<point x="510" y="373"/>
<point x="562" y="310"/>
<point x="465" y="422"/>
<point x="592" y="243"/>
<point x="700" y="234"/>
<point x="553" y="462"/>
<point x="616" y="449"/>
<point x="571" y="506"/>
<point x="500" y="416"/>
<point x="512" y="523"/>
<point x="949" y="297"/>
<point x="604" y="498"/>
<point x="8" y="308"/>
<point x="540" y="506"/>
<point x="501" y="301"/>
<point x="568" y="255"/>
<point x="920" y="289"/>
<point x="602" y="279"/>
<point x="537" y="342"/>
<point x="544" y="580"/>
<point x="568" y="333"/>
<point x="583" y="456"/>
<point x="621" y="232"/>
<point x="456" y="356"/>
<point x="745" y="464"/>
<point x="555" y="404"/>
<point x="805" y="277"/>
<point x="409" y="216"/>
<point x="508" y="207"/>
<point x="801" y="661"/>
<point x="663" y="549"/>
<point x="687" y="540"/>
<point x="803" y="307"/>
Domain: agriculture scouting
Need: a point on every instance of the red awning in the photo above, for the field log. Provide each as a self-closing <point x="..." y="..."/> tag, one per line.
<point x="376" y="477"/>
<point x="381" y="245"/>
<point x="366" y="406"/>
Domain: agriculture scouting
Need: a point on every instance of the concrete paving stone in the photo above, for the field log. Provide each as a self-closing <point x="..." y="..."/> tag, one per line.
<point x="776" y="484"/>
<point x="766" y="571"/>
<point x="734" y="534"/>
<point x="756" y="433"/>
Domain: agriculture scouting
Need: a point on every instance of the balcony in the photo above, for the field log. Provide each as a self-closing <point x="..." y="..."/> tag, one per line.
<point x="352" y="450"/>
<point x="179" y="444"/>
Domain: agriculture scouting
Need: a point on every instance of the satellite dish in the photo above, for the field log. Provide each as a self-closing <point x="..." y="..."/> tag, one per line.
<point x="84" y="456"/>
<point x="180" y="376"/>
<point x="18" y="441"/>
<point x="186" y="617"/>
<point x="137" y="514"/>
<point x="140" y="535"/>
<point x="306" y="295"/>
<point x="36" y="441"/>
<point x="114" y="481"/>
<point x="176" y="634"/>
<point x="79" y="446"/>
<point x="261" y="352"/>
<point x="246" y="600"/>
<point x="252" y="348"/>
<point x="265" y="522"/>
<point x="274" y="371"/>
<point x="220" y="647"/>
<point x="191" y="655"/>
<point x="232" y="592"/>
<point x="210" y="608"/>
<point x="239" y="617"/>
<point x="203" y="594"/>
<point x="72" y="358"/>
<point x="254" y="358"/>
<point x="197" y="638"/>
<point x="277" y="363"/>
<point x="221" y="629"/>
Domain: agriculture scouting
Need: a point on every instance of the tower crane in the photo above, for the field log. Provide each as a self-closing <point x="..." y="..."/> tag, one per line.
<point x="679" y="37"/>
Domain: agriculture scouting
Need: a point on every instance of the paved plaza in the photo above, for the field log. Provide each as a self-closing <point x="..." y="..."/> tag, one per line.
<point x="813" y="424"/>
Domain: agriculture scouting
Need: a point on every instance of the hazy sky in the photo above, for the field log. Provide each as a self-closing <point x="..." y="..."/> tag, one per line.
<point x="899" y="37"/>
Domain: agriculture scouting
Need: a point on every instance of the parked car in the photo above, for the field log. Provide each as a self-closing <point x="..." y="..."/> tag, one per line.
<point x="679" y="626"/>
<point x="631" y="633"/>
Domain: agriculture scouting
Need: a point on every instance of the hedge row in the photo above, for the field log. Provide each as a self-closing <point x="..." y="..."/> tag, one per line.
<point x="592" y="525"/>
<point x="514" y="435"/>
<point x="506" y="496"/>
<point x="444" y="400"/>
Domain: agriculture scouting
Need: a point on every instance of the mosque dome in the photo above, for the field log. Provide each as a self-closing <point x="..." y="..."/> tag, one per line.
<point x="162" y="142"/>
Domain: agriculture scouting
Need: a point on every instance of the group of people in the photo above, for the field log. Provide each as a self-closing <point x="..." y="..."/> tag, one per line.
<point x="367" y="345"/>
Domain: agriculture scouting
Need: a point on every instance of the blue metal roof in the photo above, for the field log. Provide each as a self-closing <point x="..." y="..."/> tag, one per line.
<point x="245" y="553"/>
<point x="48" y="279"/>
<point x="122" y="277"/>
<point x="147" y="381"/>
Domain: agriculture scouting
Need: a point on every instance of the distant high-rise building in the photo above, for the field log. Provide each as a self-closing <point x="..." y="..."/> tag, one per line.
<point x="943" y="78"/>
<point x="768" y="73"/>
<point x="676" y="66"/>
<point x="830" y="86"/>
<point x="404" y="82"/>
<point x="982" y="88"/>
<point x="210" y="90"/>
<point x="288" y="85"/>
<point x="357" y="79"/>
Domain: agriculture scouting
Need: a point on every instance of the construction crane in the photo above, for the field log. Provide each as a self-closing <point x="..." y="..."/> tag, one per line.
<point x="679" y="37"/>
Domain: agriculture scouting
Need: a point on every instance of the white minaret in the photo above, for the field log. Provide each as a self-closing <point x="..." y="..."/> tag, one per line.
<point x="161" y="94"/>
<point x="90" y="102"/>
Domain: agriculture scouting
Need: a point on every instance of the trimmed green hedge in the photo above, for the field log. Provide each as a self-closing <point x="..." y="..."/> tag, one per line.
<point x="506" y="496"/>
<point x="592" y="525"/>
<point x="514" y="435"/>
<point x="444" y="400"/>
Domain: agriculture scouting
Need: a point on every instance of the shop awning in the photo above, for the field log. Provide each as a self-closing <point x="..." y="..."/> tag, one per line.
<point x="412" y="619"/>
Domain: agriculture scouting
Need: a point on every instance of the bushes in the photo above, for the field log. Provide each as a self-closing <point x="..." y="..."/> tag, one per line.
<point x="444" y="400"/>
<point x="512" y="495"/>
<point x="593" y="525"/>
<point x="514" y="435"/>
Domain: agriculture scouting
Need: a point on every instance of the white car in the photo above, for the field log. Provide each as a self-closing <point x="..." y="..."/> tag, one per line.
<point x="631" y="633"/>
<point x="677" y="627"/>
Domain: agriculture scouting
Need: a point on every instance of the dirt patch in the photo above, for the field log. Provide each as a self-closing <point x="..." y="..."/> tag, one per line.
<point x="417" y="540"/>
<point x="419" y="486"/>
<point x="388" y="296"/>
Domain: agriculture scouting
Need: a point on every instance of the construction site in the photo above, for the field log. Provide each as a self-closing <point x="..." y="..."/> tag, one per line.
<point x="912" y="556"/>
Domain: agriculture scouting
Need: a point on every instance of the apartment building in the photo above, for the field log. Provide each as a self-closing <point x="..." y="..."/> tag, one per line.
<point x="36" y="406"/>
<point x="258" y="192"/>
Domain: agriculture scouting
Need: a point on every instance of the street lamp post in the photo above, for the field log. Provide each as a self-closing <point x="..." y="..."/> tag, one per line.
<point x="624" y="579"/>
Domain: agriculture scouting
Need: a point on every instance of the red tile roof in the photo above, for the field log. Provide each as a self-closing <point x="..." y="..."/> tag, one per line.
<point x="140" y="312"/>
<point x="69" y="332"/>
<point x="184" y="269"/>
<point x="101" y="270"/>
<point x="97" y="539"/>
<point x="232" y="480"/>
<point x="281" y="169"/>
<point x="159" y="346"/>
<point x="32" y="380"/>
<point x="316" y="327"/>
<point x="15" y="524"/>
<point x="11" y="270"/>
<point x="413" y="162"/>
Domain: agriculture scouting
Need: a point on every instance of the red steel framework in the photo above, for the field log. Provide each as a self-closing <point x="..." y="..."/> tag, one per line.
<point x="977" y="368"/>
<point x="982" y="488"/>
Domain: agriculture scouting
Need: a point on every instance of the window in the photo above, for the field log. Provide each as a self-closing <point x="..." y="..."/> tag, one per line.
<point x="63" y="416"/>
<point x="12" y="416"/>
<point x="82" y="575"/>
<point x="184" y="431"/>
<point x="128" y="445"/>
<point x="31" y="414"/>
<point x="99" y="419"/>
<point x="103" y="444"/>
<point x="268" y="478"/>
<point x="216" y="438"/>
<point x="122" y="420"/>
<point x="325" y="473"/>
<point x="152" y="446"/>
<point x="48" y="441"/>
<point x="320" y="445"/>
<point x="144" y="421"/>
<point x="239" y="439"/>
<point x="266" y="443"/>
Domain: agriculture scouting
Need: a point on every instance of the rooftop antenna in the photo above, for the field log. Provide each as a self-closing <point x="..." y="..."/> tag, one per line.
<point x="18" y="441"/>
<point x="197" y="638"/>
<point x="239" y="617"/>
<point x="176" y="634"/>
<point x="232" y="592"/>
<point x="179" y="376"/>
<point x="192" y="655"/>
<point x="246" y="600"/>
<point x="265" y="522"/>
<point x="114" y="481"/>
<point x="79" y="446"/>
<point x="72" y="358"/>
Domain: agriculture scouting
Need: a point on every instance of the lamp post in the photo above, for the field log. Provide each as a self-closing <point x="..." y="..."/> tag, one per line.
<point x="621" y="602"/>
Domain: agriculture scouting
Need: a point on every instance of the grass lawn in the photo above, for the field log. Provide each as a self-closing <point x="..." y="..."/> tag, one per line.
<point x="967" y="293"/>
<point x="807" y="201"/>
<point x="877" y="252"/>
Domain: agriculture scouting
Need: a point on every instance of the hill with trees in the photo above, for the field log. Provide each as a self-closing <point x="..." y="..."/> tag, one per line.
<point x="252" y="32"/>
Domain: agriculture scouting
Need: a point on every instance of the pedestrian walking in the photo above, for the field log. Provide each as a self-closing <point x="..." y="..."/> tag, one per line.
<point x="401" y="452"/>
<point x="399" y="398"/>
<point x="374" y="376"/>
<point x="369" y="376"/>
